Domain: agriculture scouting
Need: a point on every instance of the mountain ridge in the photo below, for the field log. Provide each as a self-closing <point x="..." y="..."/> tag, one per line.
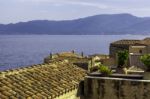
<point x="106" y="24"/>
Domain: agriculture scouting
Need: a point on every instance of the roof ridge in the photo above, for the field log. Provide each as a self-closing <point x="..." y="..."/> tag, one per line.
<point x="24" y="69"/>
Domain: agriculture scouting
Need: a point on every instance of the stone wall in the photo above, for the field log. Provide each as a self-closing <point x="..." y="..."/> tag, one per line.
<point x="113" y="49"/>
<point x="148" y="49"/>
<point x="135" y="60"/>
<point x="111" y="62"/>
<point x="69" y="95"/>
<point x="138" y="49"/>
<point x="116" y="88"/>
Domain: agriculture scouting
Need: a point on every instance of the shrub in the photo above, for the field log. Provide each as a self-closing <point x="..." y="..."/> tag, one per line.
<point x="104" y="70"/>
<point x="146" y="60"/>
<point x="122" y="58"/>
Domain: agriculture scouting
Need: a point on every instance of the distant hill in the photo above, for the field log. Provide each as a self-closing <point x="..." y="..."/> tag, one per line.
<point x="94" y="25"/>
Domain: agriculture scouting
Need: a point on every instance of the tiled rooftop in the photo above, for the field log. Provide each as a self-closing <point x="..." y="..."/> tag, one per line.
<point x="69" y="56"/>
<point x="40" y="81"/>
<point x="145" y="41"/>
<point x="128" y="42"/>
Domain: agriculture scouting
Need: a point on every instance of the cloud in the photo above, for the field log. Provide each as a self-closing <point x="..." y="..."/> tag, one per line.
<point x="100" y="6"/>
<point x="114" y="5"/>
<point x="68" y="2"/>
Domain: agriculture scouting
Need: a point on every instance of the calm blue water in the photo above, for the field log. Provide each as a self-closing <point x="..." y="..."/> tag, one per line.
<point x="22" y="50"/>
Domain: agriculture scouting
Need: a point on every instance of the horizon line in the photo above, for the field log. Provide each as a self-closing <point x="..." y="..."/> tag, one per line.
<point x="72" y="19"/>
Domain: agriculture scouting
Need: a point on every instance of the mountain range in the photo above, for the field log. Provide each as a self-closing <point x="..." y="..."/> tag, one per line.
<point x="104" y="24"/>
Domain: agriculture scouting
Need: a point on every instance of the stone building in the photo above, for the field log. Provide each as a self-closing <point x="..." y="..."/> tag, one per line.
<point x="83" y="62"/>
<point x="136" y="49"/>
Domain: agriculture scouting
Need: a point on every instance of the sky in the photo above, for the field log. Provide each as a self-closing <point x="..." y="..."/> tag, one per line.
<point x="13" y="11"/>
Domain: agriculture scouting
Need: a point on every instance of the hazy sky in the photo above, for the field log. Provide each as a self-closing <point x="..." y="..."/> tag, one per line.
<point x="12" y="11"/>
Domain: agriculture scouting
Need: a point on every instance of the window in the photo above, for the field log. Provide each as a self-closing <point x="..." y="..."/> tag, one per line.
<point x="140" y="51"/>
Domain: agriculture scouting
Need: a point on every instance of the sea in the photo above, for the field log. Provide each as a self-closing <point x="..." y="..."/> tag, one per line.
<point x="18" y="51"/>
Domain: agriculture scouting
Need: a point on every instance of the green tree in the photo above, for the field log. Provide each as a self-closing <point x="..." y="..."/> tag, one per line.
<point x="122" y="58"/>
<point x="146" y="60"/>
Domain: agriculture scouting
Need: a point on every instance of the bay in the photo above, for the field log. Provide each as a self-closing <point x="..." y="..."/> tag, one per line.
<point x="23" y="50"/>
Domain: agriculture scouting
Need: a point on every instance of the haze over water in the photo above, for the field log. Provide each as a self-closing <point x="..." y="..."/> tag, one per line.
<point x="22" y="50"/>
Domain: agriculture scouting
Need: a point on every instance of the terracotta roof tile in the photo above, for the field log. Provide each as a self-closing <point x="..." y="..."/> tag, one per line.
<point x="40" y="81"/>
<point x="145" y="41"/>
<point x="127" y="42"/>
